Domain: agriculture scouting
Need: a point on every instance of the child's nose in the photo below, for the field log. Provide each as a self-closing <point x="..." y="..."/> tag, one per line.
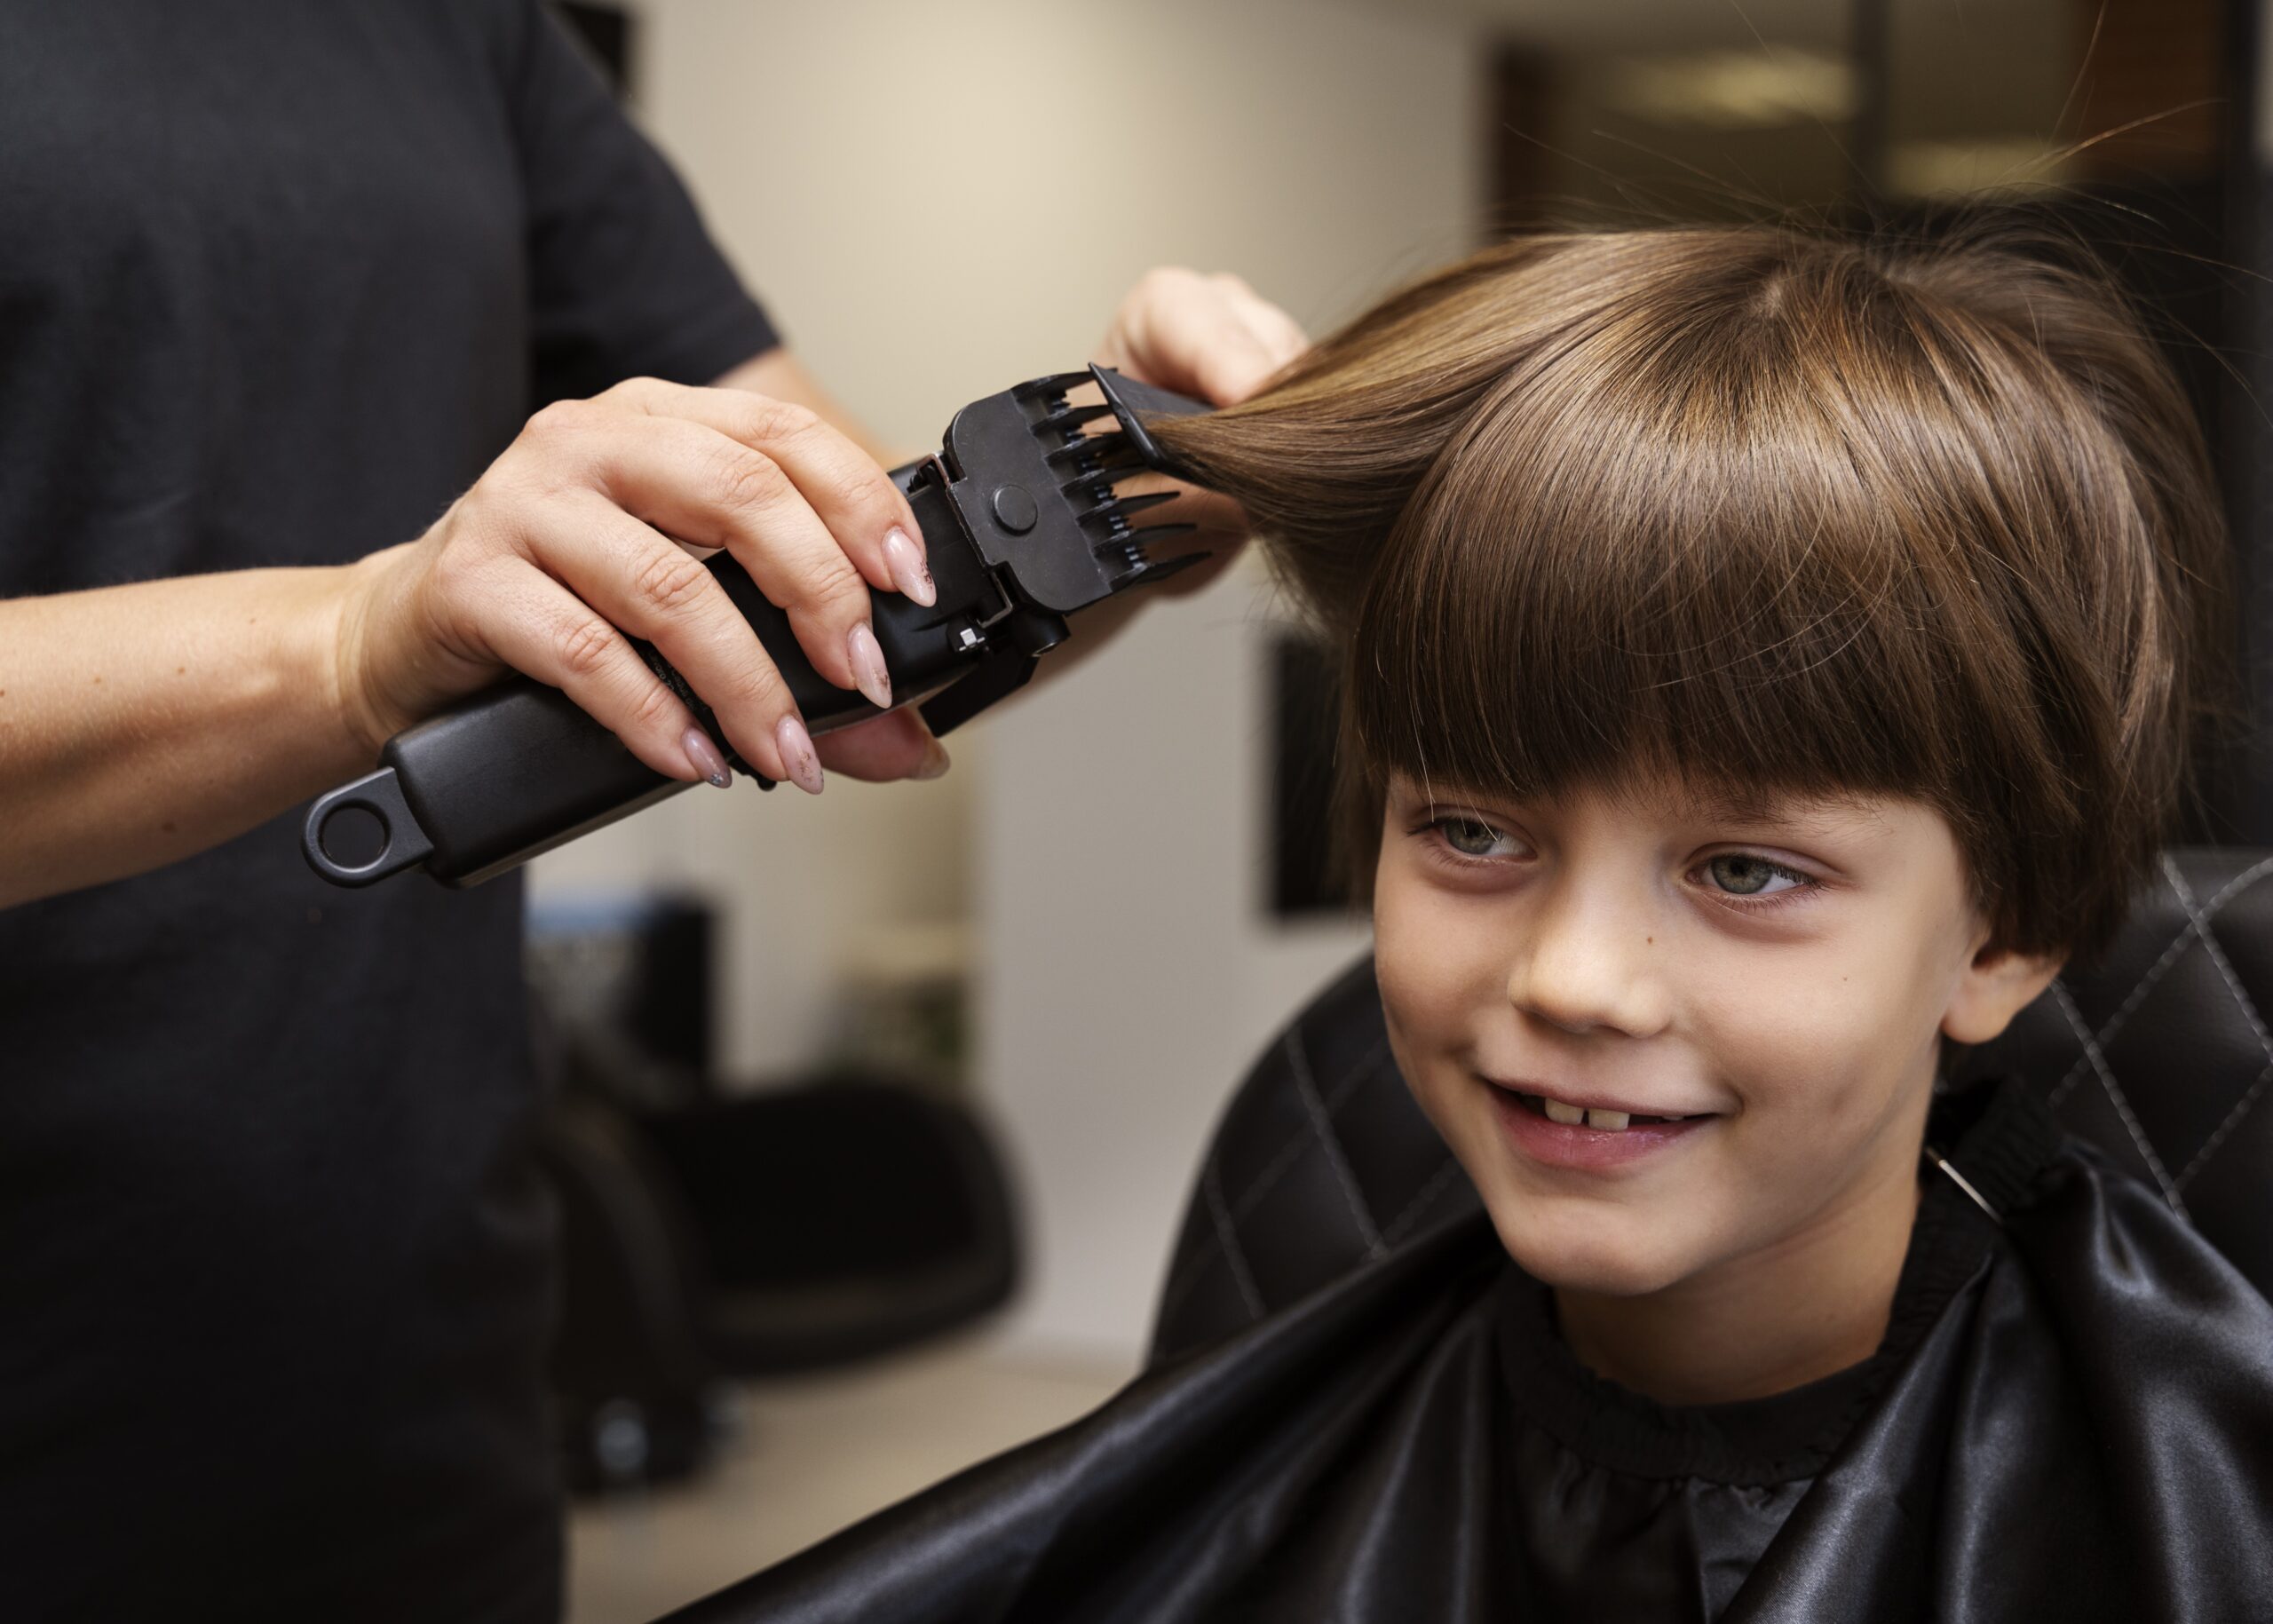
<point x="1591" y="963"/>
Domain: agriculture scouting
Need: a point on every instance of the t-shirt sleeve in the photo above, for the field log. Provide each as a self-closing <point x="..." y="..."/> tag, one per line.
<point x="625" y="279"/>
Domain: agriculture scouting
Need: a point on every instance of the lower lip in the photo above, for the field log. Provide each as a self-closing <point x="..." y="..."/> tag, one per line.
<point x="1588" y="1150"/>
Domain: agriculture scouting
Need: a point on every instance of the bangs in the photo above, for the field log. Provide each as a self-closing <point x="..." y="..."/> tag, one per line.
<point x="1668" y="549"/>
<point x="1768" y="513"/>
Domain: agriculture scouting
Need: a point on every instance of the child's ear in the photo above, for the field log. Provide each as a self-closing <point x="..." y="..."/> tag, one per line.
<point x="1996" y="985"/>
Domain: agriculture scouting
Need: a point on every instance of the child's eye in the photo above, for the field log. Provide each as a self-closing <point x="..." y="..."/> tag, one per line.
<point x="1739" y="873"/>
<point x="1474" y="838"/>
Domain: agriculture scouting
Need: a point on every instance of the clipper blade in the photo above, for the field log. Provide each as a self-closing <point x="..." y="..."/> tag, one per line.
<point x="1033" y="478"/>
<point x="1096" y="463"/>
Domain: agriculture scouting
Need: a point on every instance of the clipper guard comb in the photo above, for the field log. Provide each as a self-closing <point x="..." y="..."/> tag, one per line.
<point x="1023" y="528"/>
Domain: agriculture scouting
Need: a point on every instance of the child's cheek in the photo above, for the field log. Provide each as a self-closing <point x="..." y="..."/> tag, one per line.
<point x="1820" y="1061"/>
<point x="1440" y="961"/>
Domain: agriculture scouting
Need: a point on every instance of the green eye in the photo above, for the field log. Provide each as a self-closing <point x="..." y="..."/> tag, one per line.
<point x="1468" y="836"/>
<point x="1743" y="875"/>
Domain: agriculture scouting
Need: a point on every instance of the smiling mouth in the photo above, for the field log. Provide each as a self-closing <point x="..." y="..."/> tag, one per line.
<point x="1573" y="1116"/>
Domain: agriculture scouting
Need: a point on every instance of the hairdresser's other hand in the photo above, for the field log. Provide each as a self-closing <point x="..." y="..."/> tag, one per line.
<point x="1208" y="336"/>
<point x="564" y="550"/>
<point x="1212" y="337"/>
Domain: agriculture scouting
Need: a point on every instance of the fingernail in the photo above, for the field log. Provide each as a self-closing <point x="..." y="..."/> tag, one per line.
<point x="798" y="758"/>
<point x="869" y="666"/>
<point x="703" y="757"/>
<point x="909" y="573"/>
<point x="935" y="760"/>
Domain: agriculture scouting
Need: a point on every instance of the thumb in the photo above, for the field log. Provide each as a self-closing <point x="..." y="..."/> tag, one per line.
<point x="893" y="746"/>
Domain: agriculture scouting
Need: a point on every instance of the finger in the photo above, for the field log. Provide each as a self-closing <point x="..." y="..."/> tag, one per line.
<point x="1184" y="331"/>
<point x="1225" y="359"/>
<point x="884" y="747"/>
<point x="1254" y="342"/>
<point x="1133" y="341"/>
<point x="538" y="626"/>
<point x="854" y="498"/>
<point x="640" y="580"/>
<point x="1279" y="333"/>
<point x="692" y="482"/>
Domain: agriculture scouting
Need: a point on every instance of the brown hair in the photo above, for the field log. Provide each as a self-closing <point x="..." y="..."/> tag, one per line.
<point x="1774" y="511"/>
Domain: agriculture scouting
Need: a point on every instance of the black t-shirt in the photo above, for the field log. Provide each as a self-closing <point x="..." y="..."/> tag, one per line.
<point x="277" y="280"/>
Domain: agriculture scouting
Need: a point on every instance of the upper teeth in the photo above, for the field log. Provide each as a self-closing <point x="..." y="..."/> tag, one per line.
<point x="1615" y="1121"/>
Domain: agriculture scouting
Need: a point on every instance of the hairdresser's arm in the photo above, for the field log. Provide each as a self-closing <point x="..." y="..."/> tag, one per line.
<point x="142" y="724"/>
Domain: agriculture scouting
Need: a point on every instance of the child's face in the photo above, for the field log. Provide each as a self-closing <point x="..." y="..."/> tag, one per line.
<point x="1781" y="982"/>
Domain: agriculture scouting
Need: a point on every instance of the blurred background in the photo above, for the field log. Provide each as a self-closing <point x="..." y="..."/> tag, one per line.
<point x="879" y="1110"/>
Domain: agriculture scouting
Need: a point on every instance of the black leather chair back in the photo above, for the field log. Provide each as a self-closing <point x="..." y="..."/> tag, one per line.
<point x="2158" y="1054"/>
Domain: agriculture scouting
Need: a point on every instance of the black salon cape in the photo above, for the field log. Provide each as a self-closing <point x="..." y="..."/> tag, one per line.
<point x="2071" y="1418"/>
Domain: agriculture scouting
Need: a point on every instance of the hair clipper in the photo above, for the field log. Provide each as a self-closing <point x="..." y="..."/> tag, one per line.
<point x="1023" y="529"/>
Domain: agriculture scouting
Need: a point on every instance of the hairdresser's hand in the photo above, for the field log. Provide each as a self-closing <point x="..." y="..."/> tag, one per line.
<point x="1212" y="337"/>
<point x="569" y="536"/>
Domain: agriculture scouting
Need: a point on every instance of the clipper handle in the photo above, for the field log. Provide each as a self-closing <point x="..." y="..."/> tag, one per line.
<point x="518" y="769"/>
<point x="485" y="785"/>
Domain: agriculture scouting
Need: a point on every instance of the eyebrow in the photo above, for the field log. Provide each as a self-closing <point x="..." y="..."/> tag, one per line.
<point x="1821" y="813"/>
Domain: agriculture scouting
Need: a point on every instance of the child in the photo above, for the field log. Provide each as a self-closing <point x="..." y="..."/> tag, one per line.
<point x="1769" y="659"/>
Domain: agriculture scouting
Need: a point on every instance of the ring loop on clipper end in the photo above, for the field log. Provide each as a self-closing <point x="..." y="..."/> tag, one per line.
<point x="402" y="844"/>
<point x="705" y="717"/>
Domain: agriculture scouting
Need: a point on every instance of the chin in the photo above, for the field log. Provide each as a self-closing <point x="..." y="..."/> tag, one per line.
<point x="1603" y="1265"/>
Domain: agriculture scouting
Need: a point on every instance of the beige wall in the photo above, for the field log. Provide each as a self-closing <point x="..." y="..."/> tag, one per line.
<point x="936" y="202"/>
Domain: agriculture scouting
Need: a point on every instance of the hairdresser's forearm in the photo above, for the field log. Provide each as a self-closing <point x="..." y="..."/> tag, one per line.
<point x="142" y="724"/>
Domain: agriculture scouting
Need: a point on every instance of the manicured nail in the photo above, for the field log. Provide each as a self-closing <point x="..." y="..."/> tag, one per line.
<point x="703" y="757"/>
<point x="935" y="760"/>
<point x="869" y="667"/>
<point x="909" y="573"/>
<point x="798" y="758"/>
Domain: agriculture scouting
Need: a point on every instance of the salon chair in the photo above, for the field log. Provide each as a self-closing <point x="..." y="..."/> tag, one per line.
<point x="2157" y="1053"/>
<point x="635" y="1391"/>
<point x="756" y="1235"/>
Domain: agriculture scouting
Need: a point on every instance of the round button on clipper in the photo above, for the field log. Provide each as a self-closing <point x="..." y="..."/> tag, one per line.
<point x="1014" y="508"/>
